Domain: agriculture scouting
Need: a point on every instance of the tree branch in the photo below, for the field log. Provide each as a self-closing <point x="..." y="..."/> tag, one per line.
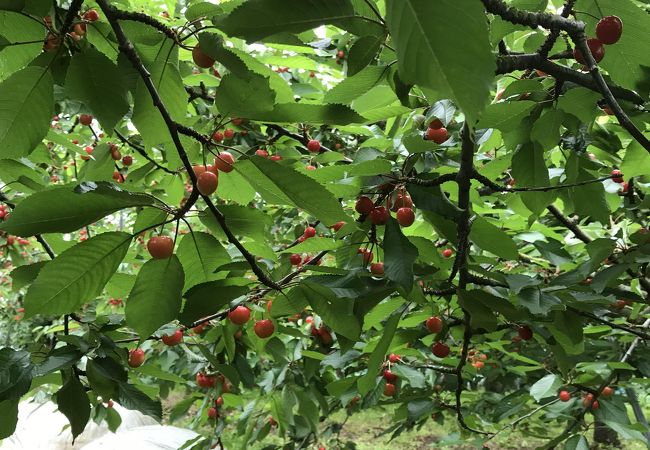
<point x="73" y="11"/>
<point x="142" y="152"/>
<point x="595" y="318"/>
<point x="434" y="182"/>
<point x="555" y="33"/>
<point x="295" y="136"/>
<point x="532" y="19"/>
<point x="497" y="187"/>
<point x="127" y="48"/>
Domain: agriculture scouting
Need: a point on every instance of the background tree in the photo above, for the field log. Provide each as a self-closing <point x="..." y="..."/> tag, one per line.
<point x="285" y="208"/>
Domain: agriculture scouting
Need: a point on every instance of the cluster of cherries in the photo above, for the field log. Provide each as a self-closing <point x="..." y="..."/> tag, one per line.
<point x="608" y="31"/>
<point x="53" y="40"/>
<point x="588" y="400"/>
<point x="436" y="132"/>
<point x="207" y="177"/>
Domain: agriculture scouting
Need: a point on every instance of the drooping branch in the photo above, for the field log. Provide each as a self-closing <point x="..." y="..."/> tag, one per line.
<point x="595" y="318"/>
<point x="499" y="188"/>
<point x="127" y="48"/>
<point x="142" y="152"/>
<point x="297" y="137"/>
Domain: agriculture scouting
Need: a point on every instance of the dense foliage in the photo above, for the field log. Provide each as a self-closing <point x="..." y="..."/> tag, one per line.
<point x="284" y="208"/>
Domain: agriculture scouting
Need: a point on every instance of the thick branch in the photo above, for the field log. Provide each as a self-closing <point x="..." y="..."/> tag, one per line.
<point x="146" y="19"/>
<point x="555" y="33"/>
<point x="434" y="182"/>
<point x="532" y="19"/>
<point x="73" y="11"/>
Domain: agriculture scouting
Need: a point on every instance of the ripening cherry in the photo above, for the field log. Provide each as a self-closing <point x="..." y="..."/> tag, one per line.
<point x="224" y="162"/>
<point x="217" y="136"/>
<point x="160" y="247"/>
<point x="310" y="167"/>
<point x="434" y="324"/>
<point x="205" y="381"/>
<point x="136" y="357"/>
<point x="437" y="135"/>
<point x="264" y="328"/>
<point x="390" y="376"/>
<point x="405" y="217"/>
<point x="115" y="154"/>
<point x="212" y="413"/>
<point x="127" y="160"/>
<point x="402" y="200"/>
<point x="587" y="401"/>
<point x="379" y="215"/>
<point x="207" y="183"/>
<point x="436" y="124"/>
<point x="394" y="358"/>
<point x="340" y="54"/>
<point x="617" y="176"/>
<point x="338" y="225"/>
<point x="173" y="339"/>
<point x="261" y="152"/>
<point x="201" y="59"/>
<point x="389" y="390"/>
<point x="565" y="396"/>
<point x="597" y="50"/>
<point x="607" y="391"/>
<point x="447" y="253"/>
<point x="85" y="119"/>
<point x="310" y="232"/>
<point x="91" y="15"/>
<point x="377" y="269"/>
<point x="440" y="349"/>
<point x="240" y="315"/>
<point x="295" y="259"/>
<point x="89" y="149"/>
<point x="366" y="254"/>
<point x="228" y="133"/>
<point x="609" y="30"/>
<point x="275" y="158"/>
<point x="525" y="332"/>
<point x="313" y="146"/>
<point x="478" y="365"/>
<point x="364" y="205"/>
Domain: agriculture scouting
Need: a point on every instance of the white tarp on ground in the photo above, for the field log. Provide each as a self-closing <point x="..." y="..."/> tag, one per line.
<point x="154" y="437"/>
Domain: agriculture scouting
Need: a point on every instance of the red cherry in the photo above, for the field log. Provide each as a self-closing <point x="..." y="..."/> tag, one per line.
<point x="434" y="324"/>
<point x="212" y="413"/>
<point x="217" y="136"/>
<point x="115" y="154"/>
<point x="264" y="328"/>
<point x="229" y="133"/>
<point x="310" y="167"/>
<point x="597" y="50"/>
<point x="85" y="119"/>
<point x="207" y="183"/>
<point x="325" y="336"/>
<point x="160" y="247"/>
<point x="364" y="205"/>
<point x="127" y="160"/>
<point x="337" y="226"/>
<point x="587" y="401"/>
<point x="478" y="365"/>
<point x="136" y="357"/>
<point x="89" y="149"/>
<point x="205" y="381"/>
<point x="295" y="259"/>
<point x="313" y="146"/>
<point x="405" y="217"/>
<point x="609" y="30"/>
<point x="275" y="158"/>
<point x="224" y="162"/>
<point x="262" y="153"/>
<point x="389" y="390"/>
<point x="110" y="403"/>
<point x="269" y="304"/>
<point x="310" y="232"/>
<point x="173" y="339"/>
<point x="440" y="349"/>
<point x="218" y="402"/>
<point x="436" y="124"/>
<point x="394" y="358"/>
<point x="437" y="135"/>
<point x="379" y="215"/>
<point x="390" y="376"/>
<point x="340" y="54"/>
<point x="617" y="176"/>
<point x="607" y="391"/>
<point x="377" y="268"/>
<point x="91" y="15"/>
<point x="447" y="252"/>
<point x="201" y="59"/>
<point x="239" y="315"/>
<point x="525" y="333"/>
<point x="565" y="396"/>
<point x="403" y="200"/>
<point x="367" y="255"/>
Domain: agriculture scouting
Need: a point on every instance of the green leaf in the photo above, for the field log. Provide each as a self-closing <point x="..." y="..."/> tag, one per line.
<point x="209" y="298"/>
<point x="146" y="116"/>
<point x="362" y="53"/>
<point x="93" y="79"/>
<point x="8" y="417"/>
<point x="27" y="106"/>
<point x="200" y="254"/>
<point x="636" y="161"/>
<point x="156" y="296"/>
<point x="367" y="382"/>
<point x="240" y="97"/>
<point x="131" y="398"/>
<point x="28" y="176"/>
<point x="493" y="239"/>
<point x="77" y="275"/>
<point x="315" y="244"/>
<point x="505" y="116"/>
<point x="567" y="330"/>
<point x="74" y="404"/>
<point x="399" y="256"/>
<point x="101" y="167"/>
<point x="304" y="192"/>
<point x="23" y="275"/>
<point x="529" y="170"/>
<point x="546" y="130"/>
<point x="421" y="30"/>
<point x="481" y="315"/>
<point x="68" y="208"/>
<point x="245" y="221"/>
<point x="576" y="442"/>
<point x="581" y="103"/>
<point x="336" y="312"/>
<point x="414" y="377"/>
<point x="332" y="114"/>
<point x="536" y="301"/>
<point x="59" y="358"/>
<point x="15" y="373"/>
<point x="19" y="28"/>
<point x="599" y="250"/>
<point x="355" y="86"/>
<point x="546" y="387"/>
<point x="257" y="19"/>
